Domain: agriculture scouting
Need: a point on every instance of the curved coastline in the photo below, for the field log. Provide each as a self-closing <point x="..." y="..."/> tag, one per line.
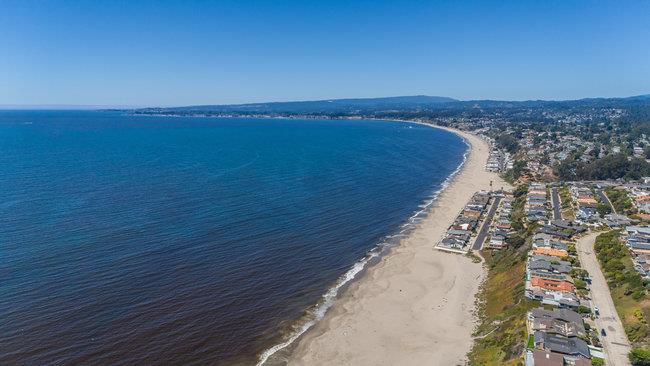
<point x="317" y="313"/>
<point x="318" y="340"/>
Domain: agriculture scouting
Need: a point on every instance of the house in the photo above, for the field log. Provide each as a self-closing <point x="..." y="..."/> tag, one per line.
<point x="638" y="239"/>
<point x="552" y="285"/>
<point x="567" y="226"/>
<point x="645" y="230"/>
<point x="536" y="214"/>
<point x="504" y="225"/>
<point x="560" y="253"/>
<point x="643" y="202"/>
<point x="564" y="322"/>
<point x="554" y="231"/>
<point x="549" y="275"/>
<point x="586" y="200"/>
<point x="548" y="240"/>
<point x="497" y="242"/>
<point x="459" y="232"/>
<point x="549" y="264"/>
<point x="644" y="206"/>
<point x="638" y="151"/>
<point x="587" y="212"/>
<point x="573" y="346"/>
<point x="452" y="243"/>
<point x="539" y="357"/>
<point x="471" y="213"/>
<point x="642" y="265"/>
<point x="562" y="300"/>
<point x="616" y="220"/>
<point x="545" y="240"/>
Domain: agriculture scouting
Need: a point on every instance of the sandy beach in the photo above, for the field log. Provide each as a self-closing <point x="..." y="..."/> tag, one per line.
<point x="416" y="306"/>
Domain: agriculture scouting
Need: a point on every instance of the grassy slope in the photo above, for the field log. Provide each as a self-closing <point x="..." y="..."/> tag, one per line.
<point x="631" y="301"/>
<point x="501" y="334"/>
<point x="502" y="311"/>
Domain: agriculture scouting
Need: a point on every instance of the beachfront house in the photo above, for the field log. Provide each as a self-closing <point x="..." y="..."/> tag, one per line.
<point x="573" y="346"/>
<point x="538" y="357"/>
<point x="563" y="322"/>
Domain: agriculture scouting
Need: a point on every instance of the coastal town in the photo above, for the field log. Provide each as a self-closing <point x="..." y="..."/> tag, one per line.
<point x="325" y="183"/>
<point x="564" y="237"/>
<point x="563" y="323"/>
<point x="565" y="242"/>
<point x="577" y="223"/>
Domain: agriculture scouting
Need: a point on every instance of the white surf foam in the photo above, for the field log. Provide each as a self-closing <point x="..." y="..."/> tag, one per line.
<point x="327" y="300"/>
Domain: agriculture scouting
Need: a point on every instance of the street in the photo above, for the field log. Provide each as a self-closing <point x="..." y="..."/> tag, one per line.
<point x="482" y="234"/>
<point x="605" y="199"/>
<point x="555" y="200"/>
<point x="615" y="343"/>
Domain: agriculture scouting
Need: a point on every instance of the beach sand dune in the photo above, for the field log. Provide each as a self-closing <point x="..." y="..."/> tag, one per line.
<point x="415" y="307"/>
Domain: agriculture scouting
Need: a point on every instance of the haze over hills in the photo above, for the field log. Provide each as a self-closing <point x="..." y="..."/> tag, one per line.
<point x="399" y="103"/>
<point x="327" y="105"/>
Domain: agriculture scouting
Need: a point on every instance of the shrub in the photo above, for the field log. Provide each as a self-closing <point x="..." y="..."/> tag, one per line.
<point x="584" y="310"/>
<point x="639" y="357"/>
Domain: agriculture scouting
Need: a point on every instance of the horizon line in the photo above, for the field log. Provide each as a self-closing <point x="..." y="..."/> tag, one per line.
<point x="138" y="106"/>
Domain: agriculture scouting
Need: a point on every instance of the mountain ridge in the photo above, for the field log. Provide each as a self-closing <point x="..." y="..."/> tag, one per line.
<point x="397" y="103"/>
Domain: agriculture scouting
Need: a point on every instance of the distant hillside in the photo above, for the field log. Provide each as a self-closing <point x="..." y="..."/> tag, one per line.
<point x="316" y="106"/>
<point x="416" y="106"/>
<point x="585" y="102"/>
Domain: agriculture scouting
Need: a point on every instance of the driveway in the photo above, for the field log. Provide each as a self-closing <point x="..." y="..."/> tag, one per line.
<point x="615" y="343"/>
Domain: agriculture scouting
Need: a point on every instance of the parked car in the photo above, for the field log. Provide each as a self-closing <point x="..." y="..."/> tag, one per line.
<point x="596" y="310"/>
<point x="603" y="333"/>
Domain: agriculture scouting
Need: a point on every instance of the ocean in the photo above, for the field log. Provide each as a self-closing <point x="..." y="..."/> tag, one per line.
<point x="191" y="241"/>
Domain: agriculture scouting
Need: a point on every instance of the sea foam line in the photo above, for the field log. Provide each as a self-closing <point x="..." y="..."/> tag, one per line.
<point x="328" y="298"/>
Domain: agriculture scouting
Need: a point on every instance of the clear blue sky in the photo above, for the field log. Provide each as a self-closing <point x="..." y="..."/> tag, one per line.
<point x="205" y="52"/>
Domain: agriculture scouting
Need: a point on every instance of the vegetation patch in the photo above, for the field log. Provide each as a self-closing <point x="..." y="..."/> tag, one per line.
<point x="613" y="166"/>
<point x="501" y="334"/>
<point x="566" y="203"/>
<point x="640" y="357"/>
<point x="517" y="171"/>
<point x="627" y="287"/>
<point x="620" y="200"/>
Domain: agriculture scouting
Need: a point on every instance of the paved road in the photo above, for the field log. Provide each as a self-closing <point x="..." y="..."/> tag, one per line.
<point x="615" y="343"/>
<point x="555" y="200"/>
<point x="482" y="234"/>
<point x="604" y="198"/>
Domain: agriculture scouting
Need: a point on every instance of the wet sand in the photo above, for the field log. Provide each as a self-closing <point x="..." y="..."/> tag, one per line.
<point x="416" y="306"/>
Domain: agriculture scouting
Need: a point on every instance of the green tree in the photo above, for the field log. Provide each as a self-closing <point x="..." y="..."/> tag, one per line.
<point x="603" y="209"/>
<point x="508" y="142"/>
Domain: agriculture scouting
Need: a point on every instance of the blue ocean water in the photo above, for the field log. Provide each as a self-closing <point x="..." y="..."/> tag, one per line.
<point x="160" y="240"/>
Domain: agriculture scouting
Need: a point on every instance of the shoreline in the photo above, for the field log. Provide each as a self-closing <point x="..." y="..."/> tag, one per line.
<point x="416" y="304"/>
<point x="279" y="351"/>
<point x="296" y="347"/>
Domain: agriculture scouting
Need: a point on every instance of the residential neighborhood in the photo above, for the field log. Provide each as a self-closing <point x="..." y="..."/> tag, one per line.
<point x="466" y="224"/>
